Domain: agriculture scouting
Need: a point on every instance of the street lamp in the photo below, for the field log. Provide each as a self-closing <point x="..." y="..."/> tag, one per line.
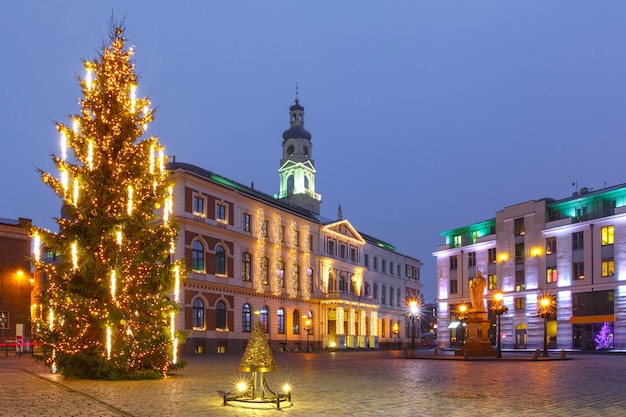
<point x="395" y="335"/>
<point x="414" y="312"/>
<point x="307" y="323"/>
<point x="499" y="309"/>
<point x="545" y="309"/>
<point x="462" y="311"/>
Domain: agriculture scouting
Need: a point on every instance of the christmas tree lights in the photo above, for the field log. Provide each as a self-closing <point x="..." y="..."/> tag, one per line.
<point x="108" y="298"/>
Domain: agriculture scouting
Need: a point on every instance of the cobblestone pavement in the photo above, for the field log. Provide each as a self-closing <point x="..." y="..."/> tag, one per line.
<point x="382" y="383"/>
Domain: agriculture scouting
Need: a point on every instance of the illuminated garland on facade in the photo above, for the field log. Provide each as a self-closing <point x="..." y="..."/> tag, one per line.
<point x="305" y="290"/>
<point x="261" y="266"/>
<point x="292" y="258"/>
<point x="276" y="273"/>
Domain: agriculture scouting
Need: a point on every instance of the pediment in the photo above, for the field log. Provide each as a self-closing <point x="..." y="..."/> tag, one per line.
<point x="343" y="230"/>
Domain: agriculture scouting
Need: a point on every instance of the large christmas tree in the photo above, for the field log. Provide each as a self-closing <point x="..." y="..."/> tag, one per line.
<point x="110" y="302"/>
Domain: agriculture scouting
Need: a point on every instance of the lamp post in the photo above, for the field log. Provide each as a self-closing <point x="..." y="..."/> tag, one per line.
<point x="499" y="309"/>
<point x="462" y="311"/>
<point x="414" y="313"/>
<point x="307" y="323"/>
<point x="545" y="308"/>
<point x="395" y="335"/>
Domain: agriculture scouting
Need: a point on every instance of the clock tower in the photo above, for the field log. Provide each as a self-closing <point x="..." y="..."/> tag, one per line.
<point x="297" y="169"/>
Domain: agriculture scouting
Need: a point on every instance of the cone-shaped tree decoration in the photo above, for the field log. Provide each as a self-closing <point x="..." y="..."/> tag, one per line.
<point x="258" y="355"/>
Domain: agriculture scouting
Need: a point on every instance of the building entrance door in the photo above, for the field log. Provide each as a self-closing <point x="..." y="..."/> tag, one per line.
<point x="520" y="336"/>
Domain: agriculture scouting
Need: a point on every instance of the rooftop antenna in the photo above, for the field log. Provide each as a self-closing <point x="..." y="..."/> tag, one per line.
<point x="297" y="89"/>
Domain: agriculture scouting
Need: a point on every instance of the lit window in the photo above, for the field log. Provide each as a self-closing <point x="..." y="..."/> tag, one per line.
<point x="550" y="245"/>
<point x="296" y="322"/>
<point x="520" y="280"/>
<point x="608" y="267"/>
<point x="608" y="235"/>
<point x="471" y="259"/>
<point x="457" y="241"/>
<point x="519" y="227"/>
<point x="551" y="275"/>
<point x="493" y="281"/>
<point x="491" y="254"/>
<point x="520" y="303"/>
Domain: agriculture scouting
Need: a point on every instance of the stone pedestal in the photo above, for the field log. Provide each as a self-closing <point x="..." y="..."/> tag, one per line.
<point x="477" y="341"/>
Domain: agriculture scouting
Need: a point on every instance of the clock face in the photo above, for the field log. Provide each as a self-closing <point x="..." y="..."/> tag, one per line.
<point x="290" y="150"/>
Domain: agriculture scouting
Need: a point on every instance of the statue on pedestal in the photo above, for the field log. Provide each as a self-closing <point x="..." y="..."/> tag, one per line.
<point x="477" y="292"/>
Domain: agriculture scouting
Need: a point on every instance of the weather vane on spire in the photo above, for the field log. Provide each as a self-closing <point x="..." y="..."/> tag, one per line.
<point x="297" y="89"/>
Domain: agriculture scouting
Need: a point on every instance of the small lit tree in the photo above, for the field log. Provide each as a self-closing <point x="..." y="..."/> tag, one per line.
<point x="108" y="305"/>
<point x="604" y="338"/>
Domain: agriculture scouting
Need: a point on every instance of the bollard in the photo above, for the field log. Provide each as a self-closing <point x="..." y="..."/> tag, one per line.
<point x="436" y="352"/>
<point x="536" y="354"/>
<point x="562" y="353"/>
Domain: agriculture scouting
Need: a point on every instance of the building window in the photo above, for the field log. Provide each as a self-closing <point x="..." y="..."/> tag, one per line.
<point x="519" y="227"/>
<point x="578" y="270"/>
<point x="492" y="281"/>
<point x="399" y="270"/>
<point x="197" y="256"/>
<point x="264" y="263"/>
<point x="520" y="303"/>
<point x="609" y="207"/>
<point x="264" y="228"/>
<point x="608" y="235"/>
<point x="199" y="206"/>
<point x="281" y="233"/>
<point x="408" y="271"/>
<point x="391" y="268"/>
<point x="375" y="294"/>
<point x="608" y="267"/>
<point x="471" y="259"/>
<point x="398" y="295"/>
<point x="281" y="272"/>
<point x="246" y="318"/>
<point x="246" y="267"/>
<point x="384" y="265"/>
<point x="457" y="241"/>
<point x="197" y="314"/>
<point x="491" y="255"/>
<point x="246" y="222"/>
<point x="342" y="251"/>
<point x="519" y="253"/>
<point x="220" y="213"/>
<point x="383" y="294"/>
<point x="342" y="282"/>
<point x="296" y="322"/>
<point x="520" y="281"/>
<point x="367" y="260"/>
<point x="280" y="321"/>
<point x="390" y="296"/>
<point x="297" y="239"/>
<point x="375" y="263"/>
<point x="578" y="240"/>
<point x="353" y="254"/>
<point x="311" y="242"/>
<point x="220" y="315"/>
<point x="454" y="286"/>
<point x="265" y="319"/>
<point x="454" y="262"/>
<point x="296" y="277"/>
<point x="550" y="245"/>
<point x="475" y="237"/>
<point x="220" y="260"/>
<point x="551" y="275"/>
<point x="331" y="247"/>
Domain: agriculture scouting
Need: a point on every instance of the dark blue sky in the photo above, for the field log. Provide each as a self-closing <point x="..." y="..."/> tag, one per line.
<point x="425" y="115"/>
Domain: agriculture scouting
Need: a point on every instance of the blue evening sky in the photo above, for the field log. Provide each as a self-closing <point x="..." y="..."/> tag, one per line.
<point x="425" y="115"/>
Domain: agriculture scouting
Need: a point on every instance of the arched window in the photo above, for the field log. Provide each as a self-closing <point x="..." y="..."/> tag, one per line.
<point x="309" y="272"/>
<point x="197" y="314"/>
<point x="306" y="182"/>
<point x="366" y="288"/>
<point x="280" y="320"/>
<point x="331" y="282"/>
<point x="296" y="322"/>
<point x="220" y="260"/>
<point x="383" y="328"/>
<point x="265" y="319"/>
<point x="197" y="256"/>
<point x="342" y="282"/>
<point x="246" y="318"/>
<point x="290" y="184"/>
<point x="220" y="315"/>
